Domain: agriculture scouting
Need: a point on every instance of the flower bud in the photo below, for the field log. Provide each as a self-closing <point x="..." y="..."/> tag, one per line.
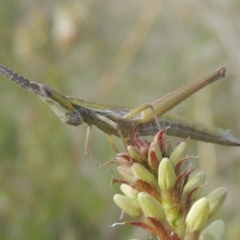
<point x="150" y="206"/>
<point x="214" y="231"/>
<point x="126" y="172"/>
<point x="166" y="175"/>
<point x="142" y="173"/>
<point x="166" y="182"/>
<point x="128" y="205"/>
<point x="178" y="153"/>
<point x="136" y="154"/>
<point x="198" y="215"/>
<point x="129" y="191"/>
<point x="216" y="199"/>
<point x="163" y="142"/>
<point x="123" y="159"/>
<point x="154" y="156"/>
<point x="197" y="180"/>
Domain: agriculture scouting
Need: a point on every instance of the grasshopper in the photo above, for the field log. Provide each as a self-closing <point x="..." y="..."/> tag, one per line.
<point x="121" y="121"/>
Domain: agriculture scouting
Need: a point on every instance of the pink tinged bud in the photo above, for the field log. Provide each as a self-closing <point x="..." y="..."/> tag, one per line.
<point x="155" y="148"/>
<point x="166" y="175"/>
<point x="163" y="142"/>
<point x="136" y="154"/>
<point x="123" y="159"/>
<point x="178" y="153"/>
<point x="150" y="206"/>
<point x="141" y="173"/>
<point x="154" y="156"/>
<point x="126" y="172"/>
<point x="129" y="191"/>
<point x="128" y="205"/>
<point x="198" y="215"/>
<point x="214" y="231"/>
<point x="138" y="142"/>
<point x="216" y="199"/>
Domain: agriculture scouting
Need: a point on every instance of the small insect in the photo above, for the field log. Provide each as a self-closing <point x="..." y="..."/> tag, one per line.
<point x="120" y="121"/>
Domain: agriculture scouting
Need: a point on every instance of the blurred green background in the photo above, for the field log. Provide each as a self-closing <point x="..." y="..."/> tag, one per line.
<point x="119" y="52"/>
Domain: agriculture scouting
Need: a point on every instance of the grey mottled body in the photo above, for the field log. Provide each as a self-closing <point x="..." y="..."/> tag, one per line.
<point x="118" y="120"/>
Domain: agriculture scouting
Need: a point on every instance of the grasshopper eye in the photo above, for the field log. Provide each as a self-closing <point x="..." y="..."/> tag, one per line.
<point x="46" y="91"/>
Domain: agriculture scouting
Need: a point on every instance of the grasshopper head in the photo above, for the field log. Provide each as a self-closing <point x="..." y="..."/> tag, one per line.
<point x="61" y="105"/>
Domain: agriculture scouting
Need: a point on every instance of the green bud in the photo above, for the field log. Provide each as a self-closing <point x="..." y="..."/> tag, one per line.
<point x="178" y="153"/>
<point x="150" y="206"/>
<point x="129" y="191"/>
<point x="214" y="231"/>
<point x="142" y="173"/>
<point x="216" y="199"/>
<point x="136" y="154"/>
<point x="197" y="180"/>
<point x="128" y="205"/>
<point x="166" y="182"/>
<point x="166" y="175"/>
<point x="198" y="215"/>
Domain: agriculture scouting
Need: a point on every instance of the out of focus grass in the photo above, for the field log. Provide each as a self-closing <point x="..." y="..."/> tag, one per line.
<point x="119" y="52"/>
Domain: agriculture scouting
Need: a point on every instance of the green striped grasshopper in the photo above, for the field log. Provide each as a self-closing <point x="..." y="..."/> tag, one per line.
<point x="148" y="119"/>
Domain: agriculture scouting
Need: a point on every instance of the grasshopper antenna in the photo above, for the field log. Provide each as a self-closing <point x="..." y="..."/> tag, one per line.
<point x="23" y="82"/>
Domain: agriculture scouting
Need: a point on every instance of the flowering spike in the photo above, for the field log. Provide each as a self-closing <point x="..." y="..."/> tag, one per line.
<point x="159" y="192"/>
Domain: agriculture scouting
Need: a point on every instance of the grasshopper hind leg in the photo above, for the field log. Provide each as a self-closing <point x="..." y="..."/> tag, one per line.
<point x="111" y="142"/>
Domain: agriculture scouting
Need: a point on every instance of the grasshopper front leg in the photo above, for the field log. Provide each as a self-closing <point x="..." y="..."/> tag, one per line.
<point x="115" y="126"/>
<point x="88" y="141"/>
